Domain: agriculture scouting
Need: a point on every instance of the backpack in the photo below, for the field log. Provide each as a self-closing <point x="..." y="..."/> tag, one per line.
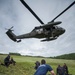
<point x="61" y="70"/>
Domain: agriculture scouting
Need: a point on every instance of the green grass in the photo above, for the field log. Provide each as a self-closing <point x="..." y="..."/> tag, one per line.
<point x="25" y="65"/>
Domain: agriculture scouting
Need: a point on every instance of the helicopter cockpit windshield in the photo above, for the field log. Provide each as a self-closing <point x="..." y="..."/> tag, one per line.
<point x="58" y="27"/>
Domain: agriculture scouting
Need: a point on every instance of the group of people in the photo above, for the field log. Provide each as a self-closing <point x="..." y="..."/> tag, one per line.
<point x="42" y="69"/>
<point x="8" y="60"/>
<point x="62" y="70"/>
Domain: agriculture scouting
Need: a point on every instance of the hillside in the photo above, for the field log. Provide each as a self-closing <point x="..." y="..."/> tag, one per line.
<point x="70" y="56"/>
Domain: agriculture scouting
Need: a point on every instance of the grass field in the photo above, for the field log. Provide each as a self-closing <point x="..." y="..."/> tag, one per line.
<point x="25" y="65"/>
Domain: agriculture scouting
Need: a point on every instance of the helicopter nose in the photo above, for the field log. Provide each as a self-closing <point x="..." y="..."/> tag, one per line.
<point x="63" y="30"/>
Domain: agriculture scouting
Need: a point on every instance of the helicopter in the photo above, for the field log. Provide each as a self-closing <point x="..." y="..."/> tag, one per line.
<point x="46" y="32"/>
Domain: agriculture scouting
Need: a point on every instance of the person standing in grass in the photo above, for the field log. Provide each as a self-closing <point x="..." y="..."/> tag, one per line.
<point x="65" y="69"/>
<point x="60" y="70"/>
<point x="44" y="68"/>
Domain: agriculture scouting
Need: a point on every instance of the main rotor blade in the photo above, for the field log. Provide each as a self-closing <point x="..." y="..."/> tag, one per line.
<point x="26" y="5"/>
<point x="64" y="11"/>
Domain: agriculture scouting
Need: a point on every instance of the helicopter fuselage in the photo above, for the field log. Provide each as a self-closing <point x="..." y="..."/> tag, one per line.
<point x="45" y="31"/>
<point x="49" y="31"/>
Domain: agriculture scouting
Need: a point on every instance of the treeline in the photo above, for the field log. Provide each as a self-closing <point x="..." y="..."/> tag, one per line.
<point x="70" y="56"/>
<point x="15" y="54"/>
<point x="11" y="54"/>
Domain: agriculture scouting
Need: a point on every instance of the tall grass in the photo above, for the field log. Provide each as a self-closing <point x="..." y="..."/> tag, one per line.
<point x="25" y="65"/>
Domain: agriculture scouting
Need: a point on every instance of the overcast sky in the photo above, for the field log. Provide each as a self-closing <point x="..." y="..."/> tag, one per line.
<point x="13" y="13"/>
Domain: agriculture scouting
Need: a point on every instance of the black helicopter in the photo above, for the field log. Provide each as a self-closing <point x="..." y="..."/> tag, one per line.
<point x="49" y="31"/>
